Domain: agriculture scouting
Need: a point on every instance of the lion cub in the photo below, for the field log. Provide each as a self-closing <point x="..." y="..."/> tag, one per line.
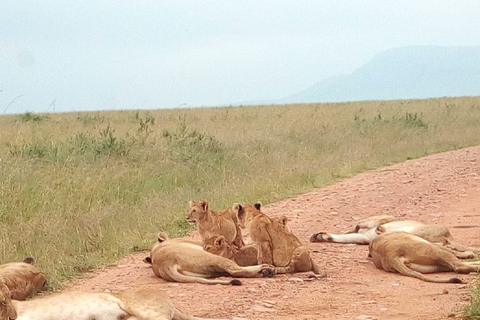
<point x="211" y="223"/>
<point x="277" y="245"/>
<point x="23" y="279"/>
<point x="244" y="256"/>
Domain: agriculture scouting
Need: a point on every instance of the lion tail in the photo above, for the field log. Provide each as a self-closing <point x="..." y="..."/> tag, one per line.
<point x="175" y="274"/>
<point x="398" y="265"/>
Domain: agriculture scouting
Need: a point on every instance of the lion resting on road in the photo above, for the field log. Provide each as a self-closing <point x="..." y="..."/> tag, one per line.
<point x="244" y="256"/>
<point x="23" y="279"/>
<point x="138" y="304"/>
<point x="211" y="223"/>
<point x="367" y="229"/>
<point x="184" y="261"/>
<point x="276" y="244"/>
<point x="412" y="256"/>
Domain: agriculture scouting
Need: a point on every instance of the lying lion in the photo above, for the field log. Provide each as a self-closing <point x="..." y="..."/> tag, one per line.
<point x="366" y="230"/>
<point x="144" y="304"/>
<point x="23" y="279"/>
<point x="244" y="256"/>
<point x="211" y="223"/>
<point x="276" y="244"/>
<point x="412" y="256"/>
<point x="182" y="260"/>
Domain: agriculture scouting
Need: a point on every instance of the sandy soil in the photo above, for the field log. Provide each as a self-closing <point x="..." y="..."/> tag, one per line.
<point x="443" y="188"/>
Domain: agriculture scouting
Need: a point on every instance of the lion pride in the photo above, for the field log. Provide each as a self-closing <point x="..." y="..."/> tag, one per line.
<point x="276" y="244"/>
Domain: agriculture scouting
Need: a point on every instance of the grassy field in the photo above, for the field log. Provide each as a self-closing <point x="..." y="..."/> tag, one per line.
<point x="79" y="190"/>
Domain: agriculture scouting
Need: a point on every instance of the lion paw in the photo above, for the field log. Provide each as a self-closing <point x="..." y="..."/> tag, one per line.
<point x="320" y="237"/>
<point x="268" y="272"/>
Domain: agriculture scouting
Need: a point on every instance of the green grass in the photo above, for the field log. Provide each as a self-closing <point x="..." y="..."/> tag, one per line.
<point x="80" y="190"/>
<point x="472" y="310"/>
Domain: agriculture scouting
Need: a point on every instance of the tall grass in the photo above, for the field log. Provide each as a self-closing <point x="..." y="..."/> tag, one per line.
<point x="79" y="190"/>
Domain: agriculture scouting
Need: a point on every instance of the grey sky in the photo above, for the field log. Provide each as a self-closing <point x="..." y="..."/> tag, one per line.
<point x="91" y="55"/>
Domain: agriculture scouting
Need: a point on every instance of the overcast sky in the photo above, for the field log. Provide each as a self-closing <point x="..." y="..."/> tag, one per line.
<point x="63" y="55"/>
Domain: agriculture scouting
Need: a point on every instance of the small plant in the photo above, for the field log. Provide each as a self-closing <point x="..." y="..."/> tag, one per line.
<point x="192" y="145"/>
<point x="88" y="118"/>
<point x="32" y="117"/>
<point x="413" y="120"/>
<point x="38" y="149"/>
<point x="146" y="123"/>
<point x="472" y="311"/>
<point x="109" y="144"/>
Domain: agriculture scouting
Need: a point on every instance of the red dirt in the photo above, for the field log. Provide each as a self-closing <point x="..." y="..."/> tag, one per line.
<point x="443" y="188"/>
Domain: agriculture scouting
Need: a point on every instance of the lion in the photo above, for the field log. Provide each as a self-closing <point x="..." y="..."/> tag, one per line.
<point x="276" y="244"/>
<point x="211" y="223"/>
<point x="367" y="229"/>
<point x="244" y="256"/>
<point x="413" y="256"/>
<point x="23" y="279"/>
<point x="181" y="260"/>
<point x="145" y="304"/>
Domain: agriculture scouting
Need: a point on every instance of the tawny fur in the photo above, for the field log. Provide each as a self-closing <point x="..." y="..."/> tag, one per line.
<point x="183" y="261"/>
<point x="244" y="256"/>
<point x="413" y="256"/>
<point x="276" y="244"/>
<point x="135" y="304"/>
<point x="367" y="229"/>
<point x="211" y="224"/>
<point x="22" y="278"/>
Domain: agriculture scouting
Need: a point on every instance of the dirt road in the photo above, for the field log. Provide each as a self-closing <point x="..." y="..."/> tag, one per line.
<point x="443" y="188"/>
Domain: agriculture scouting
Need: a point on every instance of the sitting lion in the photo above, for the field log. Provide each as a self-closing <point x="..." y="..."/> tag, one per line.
<point x="182" y="260"/>
<point x="145" y="304"/>
<point x="276" y="244"/>
<point x="367" y="229"/>
<point x="412" y="256"/>
<point x="244" y="256"/>
<point x="211" y="223"/>
<point x="23" y="279"/>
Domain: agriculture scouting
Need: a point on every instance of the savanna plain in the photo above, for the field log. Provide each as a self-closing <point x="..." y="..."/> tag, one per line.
<point x="81" y="190"/>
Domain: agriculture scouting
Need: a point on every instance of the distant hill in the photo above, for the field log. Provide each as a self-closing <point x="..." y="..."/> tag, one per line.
<point x="403" y="73"/>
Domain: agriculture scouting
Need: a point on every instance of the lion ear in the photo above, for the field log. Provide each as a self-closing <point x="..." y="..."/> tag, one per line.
<point x="283" y="220"/>
<point x="257" y="205"/>
<point x="29" y="260"/>
<point x="238" y="210"/>
<point x="191" y="203"/>
<point x="219" y="241"/>
<point x="162" y="236"/>
<point x="204" y="205"/>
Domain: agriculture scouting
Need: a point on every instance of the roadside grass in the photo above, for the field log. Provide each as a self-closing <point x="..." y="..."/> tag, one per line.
<point x="79" y="190"/>
<point x="472" y="310"/>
